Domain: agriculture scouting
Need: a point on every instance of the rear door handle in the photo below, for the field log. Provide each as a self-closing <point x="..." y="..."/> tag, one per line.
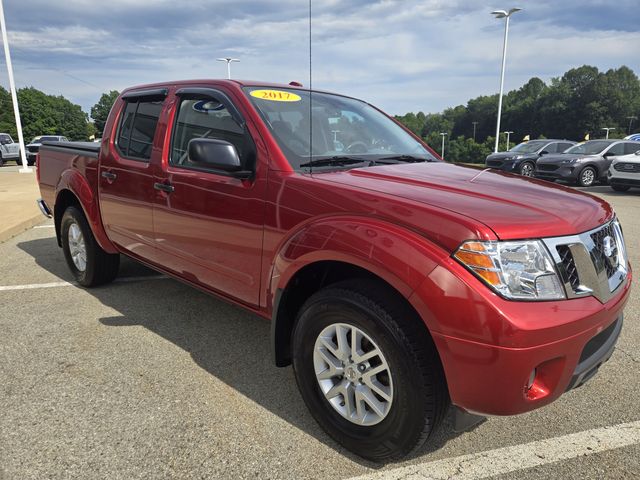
<point x="109" y="175"/>
<point x="165" y="187"/>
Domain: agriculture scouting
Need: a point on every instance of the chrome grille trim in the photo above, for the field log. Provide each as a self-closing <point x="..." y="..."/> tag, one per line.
<point x="583" y="266"/>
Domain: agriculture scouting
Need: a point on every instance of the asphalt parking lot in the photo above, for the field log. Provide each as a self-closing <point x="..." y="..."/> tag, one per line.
<point x="148" y="378"/>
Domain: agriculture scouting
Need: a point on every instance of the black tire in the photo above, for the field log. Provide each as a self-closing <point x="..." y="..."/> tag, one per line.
<point x="587" y="177"/>
<point x="527" y="169"/>
<point x="620" y="188"/>
<point x="420" y="396"/>
<point x="101" y="267"/>
<point x="1" y="161"/>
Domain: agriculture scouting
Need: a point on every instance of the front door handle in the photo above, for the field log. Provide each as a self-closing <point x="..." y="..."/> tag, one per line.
<point x="109" y="176"/>
<point x="165" y="187"/>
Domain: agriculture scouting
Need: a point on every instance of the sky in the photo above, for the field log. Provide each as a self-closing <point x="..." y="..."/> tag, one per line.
<point x="401" y="55"/>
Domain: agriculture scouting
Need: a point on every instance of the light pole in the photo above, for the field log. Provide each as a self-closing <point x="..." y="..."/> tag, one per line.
<point x="229" y="60"/>
<point x="607" y="129"/>
<point x="474" y="130"/>
<point x="443" y="134"/>
<point x="506" y="15"/>
<point x="631" y="119"/>
<point x="508" y="136"/>
<point x="14" y="96"/>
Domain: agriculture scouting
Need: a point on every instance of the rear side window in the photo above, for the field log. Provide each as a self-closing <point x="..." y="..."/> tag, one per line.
<point x="630" y="148"/>
<point x="138" y="127"/>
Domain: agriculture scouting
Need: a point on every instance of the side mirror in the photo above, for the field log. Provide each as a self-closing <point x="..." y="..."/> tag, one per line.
<point x="609" y="154"/>
<point x="216" y="155"/>
<point x="544" y="152"/>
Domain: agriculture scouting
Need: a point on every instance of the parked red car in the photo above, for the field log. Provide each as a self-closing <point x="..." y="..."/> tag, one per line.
<point x="396" y="284"/>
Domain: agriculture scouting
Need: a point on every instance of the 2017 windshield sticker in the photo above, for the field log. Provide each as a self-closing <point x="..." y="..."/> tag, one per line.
<point x="276" y="95"/>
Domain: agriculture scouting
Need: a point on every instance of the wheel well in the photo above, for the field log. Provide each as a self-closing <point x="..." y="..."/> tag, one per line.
<point x="64" y="200"/>
<point x="302" y="285"/>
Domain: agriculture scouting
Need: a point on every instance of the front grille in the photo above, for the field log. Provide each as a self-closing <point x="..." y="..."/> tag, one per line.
<point x="33" y="149"/>
<point x="569" y="266"/>
<point x="591" y="263"/>
<point x="494" y="163"/>
<point x="610" y="261"/>
<point x="627" y="167"/>
<point x="547" y="167"/>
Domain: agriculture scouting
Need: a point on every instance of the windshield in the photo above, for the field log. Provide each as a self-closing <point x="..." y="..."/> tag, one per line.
<point x="593" y="147"/>
<point x="341" y="127"/>
<point x="5" y="138"/>
<point x="49" y="139"/>
<point x="529" y="147"/>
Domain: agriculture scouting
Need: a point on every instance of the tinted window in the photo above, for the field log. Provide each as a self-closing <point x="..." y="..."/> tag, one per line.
<point x="49" y="139"/>
<point x="5" y="138"/>
<point x="551" y="148"/>
<point x="617" y="149"/>
<point x="630" y="148"/>
<point x="207" y="119"/>
<point x="563" y="146"/>
<point x="138" y="127"/>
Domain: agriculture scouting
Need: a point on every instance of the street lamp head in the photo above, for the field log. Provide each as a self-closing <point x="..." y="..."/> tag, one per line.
<point x="504" y="13"/>
<point x="227" y="59"/>
<point x="443" y="133"/>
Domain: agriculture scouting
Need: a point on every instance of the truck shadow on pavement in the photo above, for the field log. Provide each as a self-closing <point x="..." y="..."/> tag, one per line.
<point x="229" y="343"/>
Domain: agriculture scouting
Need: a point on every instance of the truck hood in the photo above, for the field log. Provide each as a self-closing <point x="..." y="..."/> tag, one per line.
<point x="513" y="207"/>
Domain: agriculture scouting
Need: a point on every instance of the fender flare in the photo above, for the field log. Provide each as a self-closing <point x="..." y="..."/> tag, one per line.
<point x="396" y="255"/>
<point x="73" y="181"/>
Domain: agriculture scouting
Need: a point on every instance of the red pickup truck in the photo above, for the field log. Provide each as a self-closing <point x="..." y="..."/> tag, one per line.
<point x="397" y="284"/>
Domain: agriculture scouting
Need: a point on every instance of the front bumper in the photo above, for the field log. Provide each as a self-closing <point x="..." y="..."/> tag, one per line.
<point x="490" y="347"/>
<point x="567" y="173"/>
<point x="624" y="179"/>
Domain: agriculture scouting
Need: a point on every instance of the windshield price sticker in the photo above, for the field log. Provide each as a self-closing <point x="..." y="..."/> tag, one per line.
<point x="276" y="95"/>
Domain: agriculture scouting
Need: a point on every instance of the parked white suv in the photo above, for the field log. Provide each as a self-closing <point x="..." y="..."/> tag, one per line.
<point x="9" y="150"/>
<point x="624" y="172"/>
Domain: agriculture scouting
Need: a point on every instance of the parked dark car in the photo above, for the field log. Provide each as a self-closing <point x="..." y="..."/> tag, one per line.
<point x="584" y="164"/>
<point x="523" y="157"/>
<point x="34" y="147"/>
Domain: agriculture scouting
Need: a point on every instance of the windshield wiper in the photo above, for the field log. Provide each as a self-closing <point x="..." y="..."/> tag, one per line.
<point x="337" y="161"/>
<point x="404" y="158"/>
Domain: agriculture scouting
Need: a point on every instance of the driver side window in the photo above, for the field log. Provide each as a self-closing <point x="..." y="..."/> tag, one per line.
<point x="617" y="149"/>
<point x="207" y="118"/>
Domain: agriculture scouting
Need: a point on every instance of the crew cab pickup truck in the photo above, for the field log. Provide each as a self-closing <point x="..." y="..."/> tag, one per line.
<point x="397" y="284"/>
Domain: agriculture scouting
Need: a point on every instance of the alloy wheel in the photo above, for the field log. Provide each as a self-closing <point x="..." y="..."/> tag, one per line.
<point x="77" y="247"/>
<point x="353" y="374"/>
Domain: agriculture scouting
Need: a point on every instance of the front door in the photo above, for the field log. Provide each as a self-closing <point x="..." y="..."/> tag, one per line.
<point x="125" y="176"/>
<point x="208" y="224"/>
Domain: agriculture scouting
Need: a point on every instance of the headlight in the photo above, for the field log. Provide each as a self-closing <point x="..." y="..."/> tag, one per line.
<point x="517" y="157"/>
<point x="522" y="270"/>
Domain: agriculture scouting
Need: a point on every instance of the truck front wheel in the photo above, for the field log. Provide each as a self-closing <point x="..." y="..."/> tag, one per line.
<point x="368" y="370"/>
<point x="91" y="265"/>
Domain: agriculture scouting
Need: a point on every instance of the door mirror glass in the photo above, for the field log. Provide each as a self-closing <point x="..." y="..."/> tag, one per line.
<point x="214" y="154"/>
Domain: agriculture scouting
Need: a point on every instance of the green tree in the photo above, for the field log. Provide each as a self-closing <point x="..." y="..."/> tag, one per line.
<point x="100" y="111"/>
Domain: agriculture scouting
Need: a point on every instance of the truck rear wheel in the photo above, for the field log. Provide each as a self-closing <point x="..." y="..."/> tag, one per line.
<point x="90" y="264"/>
<point x="368" y="370"/>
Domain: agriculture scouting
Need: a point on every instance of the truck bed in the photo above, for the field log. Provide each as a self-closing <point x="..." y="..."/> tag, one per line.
<point x="68" y="159"/>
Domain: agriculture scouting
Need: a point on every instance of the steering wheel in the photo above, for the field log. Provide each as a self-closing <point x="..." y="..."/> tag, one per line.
<point x="358" y="147"/>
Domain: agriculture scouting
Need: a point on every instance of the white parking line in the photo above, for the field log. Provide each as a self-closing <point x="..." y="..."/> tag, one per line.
<point x="32" y="286"/>
<point x="519" y="457"/>
<point x="45" y="226"/>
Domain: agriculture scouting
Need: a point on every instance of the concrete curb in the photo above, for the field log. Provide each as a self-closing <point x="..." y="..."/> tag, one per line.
<point x="21" y="227"/>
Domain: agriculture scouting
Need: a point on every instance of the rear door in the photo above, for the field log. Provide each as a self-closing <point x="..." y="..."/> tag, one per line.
<point x="208" y="224"/>
<point x="126" y="173"/>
